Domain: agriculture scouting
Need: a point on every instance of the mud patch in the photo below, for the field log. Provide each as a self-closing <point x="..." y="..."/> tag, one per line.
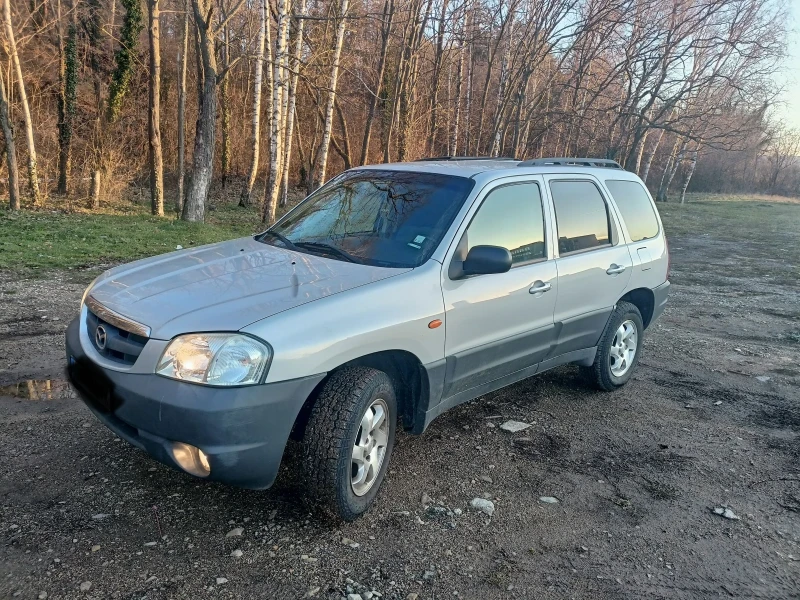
<point x="659" y="490"/>
<point x="778" y="417"/>
<point x="627" y="463"/>
<point x="543" y="446"/>
<point x="684" y="387"/>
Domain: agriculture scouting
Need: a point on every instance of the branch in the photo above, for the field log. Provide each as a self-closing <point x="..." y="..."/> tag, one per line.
<point x="229" y="16"/>
<point x="224" y="71"/>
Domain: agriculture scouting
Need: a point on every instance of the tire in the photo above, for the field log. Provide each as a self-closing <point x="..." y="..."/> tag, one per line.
<point x="609" y="372"/>
<point x="331" y="435"/>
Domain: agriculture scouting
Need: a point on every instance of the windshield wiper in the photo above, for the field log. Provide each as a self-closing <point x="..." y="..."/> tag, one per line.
<point x="327" y="248"/>
<point x="282" y="238"/>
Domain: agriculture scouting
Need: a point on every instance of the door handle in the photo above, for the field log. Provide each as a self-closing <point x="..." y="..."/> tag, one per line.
<point x="615" y="269"/>
<point x="540" y="287"/>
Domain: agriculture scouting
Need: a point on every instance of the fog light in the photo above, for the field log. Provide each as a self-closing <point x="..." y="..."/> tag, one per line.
<point x="191" y="459"/>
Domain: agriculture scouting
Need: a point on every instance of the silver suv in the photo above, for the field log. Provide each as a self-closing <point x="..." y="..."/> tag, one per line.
<point x="392" y="294"/>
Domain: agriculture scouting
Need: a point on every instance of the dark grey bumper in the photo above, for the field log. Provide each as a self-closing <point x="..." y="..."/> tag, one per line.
<point x="242" y="430"/>
<point x="660" y="300"/>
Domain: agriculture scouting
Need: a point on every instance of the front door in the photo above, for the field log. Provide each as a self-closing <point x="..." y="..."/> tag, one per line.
<point x="594" y="264"/>
<point x="502" y="323"/>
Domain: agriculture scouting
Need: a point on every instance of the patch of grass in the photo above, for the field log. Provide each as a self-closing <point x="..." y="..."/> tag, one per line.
<point x="37" y="242"/>
<point x="776" y="224"/>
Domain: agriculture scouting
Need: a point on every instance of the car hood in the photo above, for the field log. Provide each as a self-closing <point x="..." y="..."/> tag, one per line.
<point x="225" y="286"/>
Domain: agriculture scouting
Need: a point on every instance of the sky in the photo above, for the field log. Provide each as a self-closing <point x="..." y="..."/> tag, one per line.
<point x="790" y="109"/>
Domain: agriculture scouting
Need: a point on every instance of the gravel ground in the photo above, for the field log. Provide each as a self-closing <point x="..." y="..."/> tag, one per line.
<point x="710" y="420"/>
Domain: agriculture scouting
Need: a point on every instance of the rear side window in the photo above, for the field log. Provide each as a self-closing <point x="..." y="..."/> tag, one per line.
<point x="581" y="216"/>
<point x="511" y="217"/>
<point x="636" y="208"/>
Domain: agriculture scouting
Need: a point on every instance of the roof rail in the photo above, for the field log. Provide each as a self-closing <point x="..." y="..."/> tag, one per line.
<point x="571" y="162"/>
<point x="440" y="158"/>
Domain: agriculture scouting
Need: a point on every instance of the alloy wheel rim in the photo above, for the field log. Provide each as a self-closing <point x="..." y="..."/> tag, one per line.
<point x="623" y="348"/>
<point x="369" y="448"/>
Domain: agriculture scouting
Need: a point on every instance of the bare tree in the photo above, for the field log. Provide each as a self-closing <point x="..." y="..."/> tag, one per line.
<point x="292" y="100"/>
<point x="11" y="50"/>
<point x="154" y="115"/>
<point x="318" y="177"/>
<point x="67" y="94"/>
<point x="386" y="29"/>
<point x="182" y="68"/>
<point x="263" y="32"/>
<point x="11" y="150"/>
<point x="279" y="82"/>
<point x="783" y="153"/>
<point x="205" y="135"/>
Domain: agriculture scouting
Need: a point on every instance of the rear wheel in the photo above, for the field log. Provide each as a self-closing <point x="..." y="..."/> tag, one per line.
<point x="619" y="348"/>
<point x="348" y="440"/>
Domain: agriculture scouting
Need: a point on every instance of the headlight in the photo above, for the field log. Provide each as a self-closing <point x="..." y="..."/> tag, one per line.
<point x="215" y="359"/>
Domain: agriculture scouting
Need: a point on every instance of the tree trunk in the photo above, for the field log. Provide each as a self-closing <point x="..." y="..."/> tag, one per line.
<point x="692" y="166"/>
<point x="408" y="82"/>
<point x="468" y="103"/>
<point x="501" y="93"/>
<point x="322" y="158"/>
<point x="344" y="150"/>
<point x="183" y="60"/>
<point x="293" y="82"/>
<point x="154" y="116"/>
<point x="11" y="150"/>
<point x="453" y="147"/>
<point x="263" y="27"/>
<point x="272" y="188"/>
<point x="386" y="28"/>
<point x="205" y="134"/>
<point x="225" y="107"/>
<point x="33" y="177"/>
<point x="67" y="98"/>
<point x="673" y="164"/>
<point x="647" y="161"/>
<point x="437" y="70"/>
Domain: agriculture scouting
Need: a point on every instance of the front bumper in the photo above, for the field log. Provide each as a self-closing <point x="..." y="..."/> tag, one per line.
<point x="660" y="294"/>
<point x="242" y="430"/>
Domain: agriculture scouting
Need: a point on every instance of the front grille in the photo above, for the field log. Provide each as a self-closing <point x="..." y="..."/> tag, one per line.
<point x="121" y="346"/>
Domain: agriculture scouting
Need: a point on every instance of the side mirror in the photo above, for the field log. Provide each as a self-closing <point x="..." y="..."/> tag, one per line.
<point x="485" y="260"/>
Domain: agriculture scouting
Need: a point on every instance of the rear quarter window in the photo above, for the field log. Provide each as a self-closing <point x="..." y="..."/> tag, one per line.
<point x="637" y="210"/>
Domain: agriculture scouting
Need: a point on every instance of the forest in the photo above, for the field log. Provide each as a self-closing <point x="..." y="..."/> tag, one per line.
<point x="260" y="99"/>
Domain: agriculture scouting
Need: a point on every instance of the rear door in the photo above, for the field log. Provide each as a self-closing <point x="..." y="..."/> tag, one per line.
<point x="643" y="232"/>
<point x="594" y="264"/>
<point x="502" y="323"/>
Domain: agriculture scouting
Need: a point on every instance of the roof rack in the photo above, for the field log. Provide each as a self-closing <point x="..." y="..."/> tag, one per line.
<point x="440" y="158"/>
<point x="571" y="162"/>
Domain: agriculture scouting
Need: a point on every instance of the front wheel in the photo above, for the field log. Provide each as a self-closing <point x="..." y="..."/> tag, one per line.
<point x="619" y="348"/>
<point x="348" y="440"/>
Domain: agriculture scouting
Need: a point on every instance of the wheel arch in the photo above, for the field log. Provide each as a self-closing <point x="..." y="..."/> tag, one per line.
<point x="403" y="368"/>
<point x="644" y="299"/>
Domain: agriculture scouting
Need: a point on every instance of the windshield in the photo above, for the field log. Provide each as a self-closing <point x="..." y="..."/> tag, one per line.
<point x="374" y="217"/>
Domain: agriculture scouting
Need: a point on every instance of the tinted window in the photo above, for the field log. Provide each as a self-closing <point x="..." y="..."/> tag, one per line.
<point x="634" y="204"/>
<point x="511" y="217"/>
<point x="581" y="215"/>
<point x="376" y="217"/>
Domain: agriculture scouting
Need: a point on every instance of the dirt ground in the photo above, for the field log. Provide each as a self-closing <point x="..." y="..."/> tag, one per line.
<point x="710" y="419"/>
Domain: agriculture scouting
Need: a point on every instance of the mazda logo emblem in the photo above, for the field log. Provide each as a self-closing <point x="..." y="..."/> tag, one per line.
<point x="100" y="337"/>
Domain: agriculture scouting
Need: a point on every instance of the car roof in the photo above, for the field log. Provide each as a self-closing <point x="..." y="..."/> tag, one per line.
<point x="495" y="168"/>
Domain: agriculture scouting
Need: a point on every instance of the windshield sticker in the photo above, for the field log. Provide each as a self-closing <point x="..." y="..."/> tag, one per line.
<point x="413" y="245"/>
<point x="419" y="239"/>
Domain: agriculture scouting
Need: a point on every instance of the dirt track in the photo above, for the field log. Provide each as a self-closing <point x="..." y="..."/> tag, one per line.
<point x="636" y="472"/>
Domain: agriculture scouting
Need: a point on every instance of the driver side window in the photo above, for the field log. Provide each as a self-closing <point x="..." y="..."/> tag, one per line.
<point x="512" y="217"/>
